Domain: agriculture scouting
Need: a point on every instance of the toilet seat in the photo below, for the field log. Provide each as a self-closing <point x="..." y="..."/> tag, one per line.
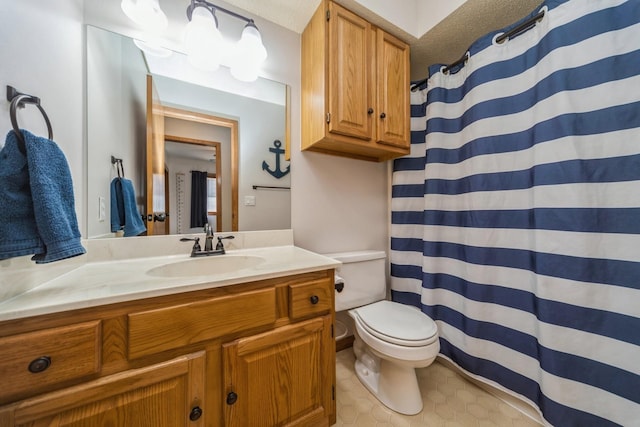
<point x="387" y="321"/>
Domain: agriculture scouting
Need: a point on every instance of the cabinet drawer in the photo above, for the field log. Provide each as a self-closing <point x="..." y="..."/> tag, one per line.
<point x="177" y="326"/>
<point x="34" y="361"/>
<point x="310" y="298"/>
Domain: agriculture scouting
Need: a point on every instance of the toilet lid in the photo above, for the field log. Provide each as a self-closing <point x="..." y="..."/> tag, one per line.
<point x="398" y="323"/>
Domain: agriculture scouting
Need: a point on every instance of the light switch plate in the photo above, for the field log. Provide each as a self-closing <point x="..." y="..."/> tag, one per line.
<point x="249" y="200"/>
<point x="102" y="209"/>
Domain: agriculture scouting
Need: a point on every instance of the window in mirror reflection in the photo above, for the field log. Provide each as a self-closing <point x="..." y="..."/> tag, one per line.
<point x="211" y="194"/>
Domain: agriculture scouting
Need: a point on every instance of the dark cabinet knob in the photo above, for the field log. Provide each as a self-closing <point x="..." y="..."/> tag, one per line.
<point x="370" y="111"/>
<point x="40" y="364"/>
<point x="383" y="115"/>
<point x="231" y="398"/>
<point x="314" y="299"/>
<point x="195" y="413"/>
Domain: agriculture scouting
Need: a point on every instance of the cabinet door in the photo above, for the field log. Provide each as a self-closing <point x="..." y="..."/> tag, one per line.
<point x="166" y="394"/>
<point x="350" y="74"/>
<point x="282" y="377"/>
<point x="393" y="104"/>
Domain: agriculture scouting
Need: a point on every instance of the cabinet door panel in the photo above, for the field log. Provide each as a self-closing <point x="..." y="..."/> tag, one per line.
<point x="156" y="396"/>
<point x="393" y="104"/>
<point x="278" y="377"/>
<point x="349" y="56"/>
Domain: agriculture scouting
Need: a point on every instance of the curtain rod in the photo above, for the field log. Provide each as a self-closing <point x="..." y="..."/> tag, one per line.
<point x="526" y="25"/>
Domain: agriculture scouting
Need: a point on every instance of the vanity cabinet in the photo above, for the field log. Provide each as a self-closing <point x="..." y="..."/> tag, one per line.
<point x="355" y="87"/>
<point x="253" y="354"/>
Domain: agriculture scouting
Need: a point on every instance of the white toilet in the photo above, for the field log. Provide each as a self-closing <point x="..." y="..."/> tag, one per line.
<point x="391" y="339"/>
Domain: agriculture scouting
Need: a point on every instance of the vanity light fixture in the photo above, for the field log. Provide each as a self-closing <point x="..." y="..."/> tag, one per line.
<point x="203" y="42"/>
<point x="205" y="48"/>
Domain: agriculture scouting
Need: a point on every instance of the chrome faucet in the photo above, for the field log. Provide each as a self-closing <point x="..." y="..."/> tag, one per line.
<point x="197" y="251"/>
<point x="208" y="243"/>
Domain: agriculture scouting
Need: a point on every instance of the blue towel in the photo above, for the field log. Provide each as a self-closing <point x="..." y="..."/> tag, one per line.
<point x="36" y="201"/>
<point x="124" y="212"/>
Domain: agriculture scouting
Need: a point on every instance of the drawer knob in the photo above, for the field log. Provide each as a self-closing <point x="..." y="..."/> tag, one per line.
<point x="370" y="111"/>
<point x="40" y="364"/>
<point x="383" y="115"/>
<point x="314" y="299"/>
<point x="231" y="398"/>
<point x="195" y="413"/>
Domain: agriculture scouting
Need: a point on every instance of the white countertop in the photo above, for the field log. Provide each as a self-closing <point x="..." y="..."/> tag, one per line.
<point x="92" y="284"/>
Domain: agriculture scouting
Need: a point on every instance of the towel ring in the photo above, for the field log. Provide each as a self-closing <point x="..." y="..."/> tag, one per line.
<point x="18" y="100"/>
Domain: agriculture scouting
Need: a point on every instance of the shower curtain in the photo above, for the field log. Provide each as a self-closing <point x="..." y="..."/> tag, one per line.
<point x="516" y="217"/>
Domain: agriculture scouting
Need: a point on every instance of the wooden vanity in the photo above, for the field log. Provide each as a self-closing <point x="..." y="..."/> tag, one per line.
<point x="259" y="353"/>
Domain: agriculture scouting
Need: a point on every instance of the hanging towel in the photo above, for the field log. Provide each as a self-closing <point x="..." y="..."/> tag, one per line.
<point x="124" y="212"/>
<point x="36" y="201"/>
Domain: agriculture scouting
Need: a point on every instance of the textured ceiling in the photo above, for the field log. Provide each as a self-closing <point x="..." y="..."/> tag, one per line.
<point x="448" y="41"/>
<point x="443" y="44"/>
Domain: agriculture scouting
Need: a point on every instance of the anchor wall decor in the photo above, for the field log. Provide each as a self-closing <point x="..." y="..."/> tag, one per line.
<point x="277" y="172"/>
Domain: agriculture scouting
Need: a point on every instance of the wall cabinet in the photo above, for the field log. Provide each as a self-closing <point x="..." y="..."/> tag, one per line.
<point x="253" y="354"/>
<point x="355" y="87"/>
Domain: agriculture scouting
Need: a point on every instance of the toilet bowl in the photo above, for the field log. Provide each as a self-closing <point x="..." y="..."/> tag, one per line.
<point x="391" y="339"/>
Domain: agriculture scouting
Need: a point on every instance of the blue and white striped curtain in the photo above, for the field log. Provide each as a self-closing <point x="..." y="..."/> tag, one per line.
<point x="516" y="217"/>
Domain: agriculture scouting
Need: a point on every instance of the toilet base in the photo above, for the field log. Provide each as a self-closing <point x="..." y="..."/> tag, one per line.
<point x="395" y="385"/>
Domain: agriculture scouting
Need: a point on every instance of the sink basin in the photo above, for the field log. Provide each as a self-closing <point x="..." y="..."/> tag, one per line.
<point x="206" y="266"/>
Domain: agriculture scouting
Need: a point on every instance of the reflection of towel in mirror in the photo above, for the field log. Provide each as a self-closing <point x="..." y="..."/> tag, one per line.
<point x="124" y="212"/>
<point x="36" y="201"/>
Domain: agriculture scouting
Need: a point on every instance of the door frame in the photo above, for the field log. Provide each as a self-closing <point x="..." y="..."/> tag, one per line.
<point x="232" y="125"/>
<point x="217" y="147"/>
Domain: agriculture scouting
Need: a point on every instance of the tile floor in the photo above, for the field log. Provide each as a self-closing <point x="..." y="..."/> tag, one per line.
<point x="449" y="401"/>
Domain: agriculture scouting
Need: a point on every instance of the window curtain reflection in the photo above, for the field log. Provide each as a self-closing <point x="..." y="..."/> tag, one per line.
<point x="198" y="199"/>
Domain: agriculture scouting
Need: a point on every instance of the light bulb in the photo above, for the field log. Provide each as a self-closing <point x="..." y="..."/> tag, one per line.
<point x="146" y="13"/>
<point x="203" y="41"/>
<point x="250" y="54"/>
<point x="250" y="43"/>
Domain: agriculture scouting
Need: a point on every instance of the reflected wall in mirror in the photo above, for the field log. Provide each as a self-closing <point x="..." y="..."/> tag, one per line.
<point x="190" y="101"/>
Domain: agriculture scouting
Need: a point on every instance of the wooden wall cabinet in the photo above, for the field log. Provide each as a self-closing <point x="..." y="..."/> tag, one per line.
<point x="254" y="354"/>
<point x="355" y="87"/>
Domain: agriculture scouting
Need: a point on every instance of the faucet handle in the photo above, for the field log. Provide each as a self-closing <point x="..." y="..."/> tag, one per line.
<point x="219" y="245"/>
<point x="196" y="245"/>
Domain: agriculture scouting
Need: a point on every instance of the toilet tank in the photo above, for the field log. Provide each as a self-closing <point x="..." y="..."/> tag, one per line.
<point x="363" y="273"/>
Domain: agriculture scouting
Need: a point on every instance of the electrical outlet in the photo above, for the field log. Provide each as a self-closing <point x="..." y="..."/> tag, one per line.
<point x="102" y="209"/>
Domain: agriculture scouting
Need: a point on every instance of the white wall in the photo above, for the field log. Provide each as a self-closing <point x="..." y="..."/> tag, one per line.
<point x="41" y="46"/>
<point x="337" y="204"/>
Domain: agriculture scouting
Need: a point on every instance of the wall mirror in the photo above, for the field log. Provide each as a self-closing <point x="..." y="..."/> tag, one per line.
<point x="233" y="131"/>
